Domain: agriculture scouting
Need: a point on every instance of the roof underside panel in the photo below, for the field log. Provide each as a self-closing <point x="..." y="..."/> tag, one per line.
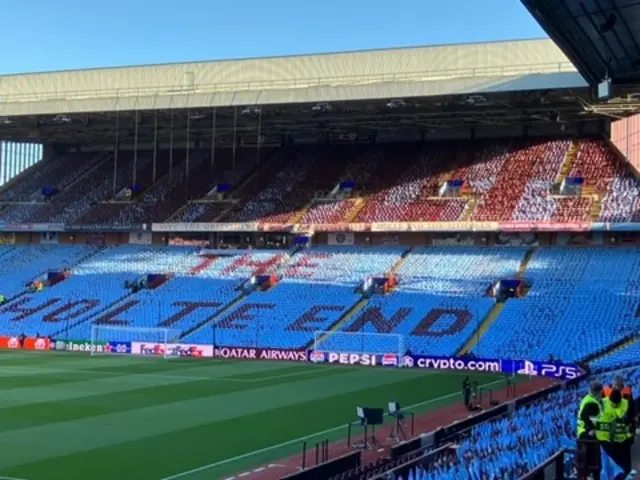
<point x="600" y="37"/>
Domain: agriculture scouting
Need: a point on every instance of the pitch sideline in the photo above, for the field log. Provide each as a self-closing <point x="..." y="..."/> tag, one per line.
<point x="301" y="439"/>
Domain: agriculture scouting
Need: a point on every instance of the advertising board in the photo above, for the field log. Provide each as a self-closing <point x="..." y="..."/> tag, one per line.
<point x="560" y="371"/>
<point x="172" y="349"/>
<point x="86" y="346"/>
<point x="30" y="343"/>
<point x="261" y="354"/>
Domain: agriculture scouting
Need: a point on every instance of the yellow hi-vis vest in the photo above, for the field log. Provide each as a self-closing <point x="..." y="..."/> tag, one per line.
<point x="611" y="426"/>
<point x="622" y="432"/>
<point x="582" y="428"/>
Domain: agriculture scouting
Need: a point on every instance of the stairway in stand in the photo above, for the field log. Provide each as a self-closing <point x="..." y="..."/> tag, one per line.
<point x="572" y="153"/>
<point x="495" y="312"/>
<point x="353" y="212"/>
<point x="596" y="206"/>
<point x="469" y="208"/>
<point x="299" y="214"/>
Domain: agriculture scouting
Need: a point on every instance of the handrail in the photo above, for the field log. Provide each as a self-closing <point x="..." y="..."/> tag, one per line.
<point x="253" y="85"/>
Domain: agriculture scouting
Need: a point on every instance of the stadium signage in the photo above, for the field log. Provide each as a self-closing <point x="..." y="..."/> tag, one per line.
<point x="31" y="227"/>
<point x="515" y="226"/>
<point x="171" y="350"/>
<point x="87" y="346"/>
<point x="566" y="372"/>
<point x="364" y="359"/>
<point x="452" y="363"/>
<point x="326" y="227"/>
<point x="558" y="371"/>
<point x="78" y="346"/>
<point x="101" y="228"/>
<point x="434" y="227"/>
<point x="261" y="354"/>
<point x="30" y="343"/>
<point x="204" y="227"/>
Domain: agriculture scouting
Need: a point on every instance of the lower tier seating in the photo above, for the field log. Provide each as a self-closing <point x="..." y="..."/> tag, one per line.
<point x="284" y="317"/>
<point x="512" y="445"/>
<point x="581" y="301"/>
<point x="428" y="323"/>
<point x="628" y="355"/>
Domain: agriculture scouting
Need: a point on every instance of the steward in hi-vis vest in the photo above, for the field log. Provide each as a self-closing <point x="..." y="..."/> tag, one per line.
<point x="589" y="413"/>
<point x="627" y="394"/>
<point x="615" y="442"/>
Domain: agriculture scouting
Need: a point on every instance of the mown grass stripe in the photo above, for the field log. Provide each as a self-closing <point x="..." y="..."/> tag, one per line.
<point x="28" y="407"/>
<point x="220" y="440"/>
<point x="42" y="442"/>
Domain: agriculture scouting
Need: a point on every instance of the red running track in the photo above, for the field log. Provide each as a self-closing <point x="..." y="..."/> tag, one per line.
<point x="424" y="423"/>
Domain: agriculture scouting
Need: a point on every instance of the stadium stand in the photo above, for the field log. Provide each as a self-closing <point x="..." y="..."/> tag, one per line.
<point x="512" y="445"/>
<point x="504" y="180"/>
<point x="60" y="174"/>
<point x="309" y="174"/>
<point x="23" y="264"/>
<point x="318" y="287"/>
<point x="95" y="285"/>
<point x="581" y="300"/>
<point x="439" y="303"/>
<point x="624" y="356"/>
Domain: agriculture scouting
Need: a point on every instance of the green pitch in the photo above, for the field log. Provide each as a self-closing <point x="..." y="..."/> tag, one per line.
<point x="67" y="416"/>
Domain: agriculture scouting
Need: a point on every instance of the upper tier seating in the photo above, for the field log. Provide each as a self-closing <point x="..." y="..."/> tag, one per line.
<point x="66" y="174"/>
<point x="274" y="200"/>
<point x="596" y="163"/>
<point x="58" y="173"/>
<point x="581" y="301"/>
<point x="168" y="195"/>
<point x="622" y="200"/>
<point x="327" y="212"/>
<point x="407" y="199"/>
<point x="95" y="186"/>
<point x="526" y="163"/>
<point x="507" y="180"/>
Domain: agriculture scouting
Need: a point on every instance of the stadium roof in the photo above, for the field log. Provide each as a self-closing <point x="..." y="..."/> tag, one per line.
<point x="600" y="37"/>
<point x="380" y="74"/>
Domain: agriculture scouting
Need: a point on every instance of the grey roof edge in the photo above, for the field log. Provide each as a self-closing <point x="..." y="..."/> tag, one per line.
<point x="271" y="57"/>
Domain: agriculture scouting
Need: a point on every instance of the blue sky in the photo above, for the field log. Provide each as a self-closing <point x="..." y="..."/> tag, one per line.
<point x="42" y="35"/>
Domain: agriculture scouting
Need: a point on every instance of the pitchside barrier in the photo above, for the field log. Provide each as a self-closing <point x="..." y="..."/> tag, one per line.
<point x="162" y="343"/>
<point x="329" y="468"/>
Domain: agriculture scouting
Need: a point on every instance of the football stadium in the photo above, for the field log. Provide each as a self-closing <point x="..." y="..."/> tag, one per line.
<point x="416" y="263"/>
